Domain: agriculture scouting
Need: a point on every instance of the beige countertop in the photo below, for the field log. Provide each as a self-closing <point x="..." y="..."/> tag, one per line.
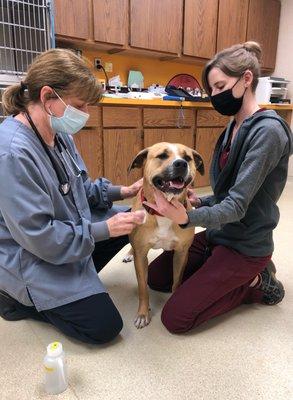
<point x="186" y="104"/>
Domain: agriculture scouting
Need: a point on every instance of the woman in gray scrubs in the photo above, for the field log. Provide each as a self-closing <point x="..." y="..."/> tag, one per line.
<point x="57" y="227"/>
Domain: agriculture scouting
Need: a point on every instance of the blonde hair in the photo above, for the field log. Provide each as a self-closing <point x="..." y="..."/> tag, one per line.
<point x="234" y="61"/>
<point x="60" y="69"/>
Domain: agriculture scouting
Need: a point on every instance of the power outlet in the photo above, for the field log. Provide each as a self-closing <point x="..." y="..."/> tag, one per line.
<point x="97" y="62"/>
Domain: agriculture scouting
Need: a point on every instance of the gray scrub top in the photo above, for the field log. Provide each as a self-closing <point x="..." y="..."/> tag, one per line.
<point x="46" y="239"/>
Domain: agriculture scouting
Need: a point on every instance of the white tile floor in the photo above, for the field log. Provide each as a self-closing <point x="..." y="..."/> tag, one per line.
<point x="246" y="354"/>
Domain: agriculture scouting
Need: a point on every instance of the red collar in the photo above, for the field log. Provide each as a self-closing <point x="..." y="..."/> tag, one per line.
<point x="149" y="209"/>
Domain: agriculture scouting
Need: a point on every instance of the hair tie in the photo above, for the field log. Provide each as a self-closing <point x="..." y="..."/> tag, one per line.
<point x="23" y="86"/>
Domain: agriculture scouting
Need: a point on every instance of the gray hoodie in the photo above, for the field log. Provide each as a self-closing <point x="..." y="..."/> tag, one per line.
<point x="242" y="212"/>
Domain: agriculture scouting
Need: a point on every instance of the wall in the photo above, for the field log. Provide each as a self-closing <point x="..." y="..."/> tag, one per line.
<point x="153" y="70"/>
<point x="284" y="59"/>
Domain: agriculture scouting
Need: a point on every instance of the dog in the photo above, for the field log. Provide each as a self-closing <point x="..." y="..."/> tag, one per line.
<point x="170" y="168"/>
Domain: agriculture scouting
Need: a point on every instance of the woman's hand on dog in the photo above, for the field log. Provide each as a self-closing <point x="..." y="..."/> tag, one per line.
<point x="123" y="223"/>
<point x="173" y="210"/>
<point x="192" y="197"/>
<point x="132" y="190"/>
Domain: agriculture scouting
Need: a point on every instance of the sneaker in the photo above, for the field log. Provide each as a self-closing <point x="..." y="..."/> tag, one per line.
<point x="9" y="308"/>
<point x="273" y="290"/>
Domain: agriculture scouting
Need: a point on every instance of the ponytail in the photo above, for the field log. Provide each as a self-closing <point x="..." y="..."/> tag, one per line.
<point x="15" y="99"/>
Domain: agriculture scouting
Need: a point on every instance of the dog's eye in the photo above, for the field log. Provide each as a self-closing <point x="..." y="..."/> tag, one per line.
<point x="162" y="156"/>
<point x="187" y="158"/>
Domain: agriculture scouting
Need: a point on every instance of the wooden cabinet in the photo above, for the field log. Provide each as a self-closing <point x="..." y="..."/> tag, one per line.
<point x="211" y="118"/>
<point x="210" y="125"/>
<point x="263" y="27"/>
<point x="120" y="148"/>
<point x="172" y="125"/>
<point x="167" y="117"/>
<point x="128" y="117"/>
<point x="183" y="135"/>
<point x="156" y="25"/>
<point x="122" y="140"/>
<point x="89" y="144"/>
<point x="111" y="21"/>
<point x="115" y="134"/>
<point x="169" y="28"/>
<point x="200" y="28"/>
<point x="206" y="139"/>
<point x="72" y="18"/>
<point x="232" y="23"/>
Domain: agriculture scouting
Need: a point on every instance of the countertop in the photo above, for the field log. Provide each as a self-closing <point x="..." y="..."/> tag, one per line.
<point x="186" y="104"/>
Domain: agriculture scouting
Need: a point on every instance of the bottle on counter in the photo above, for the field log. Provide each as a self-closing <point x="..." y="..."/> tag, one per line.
<point x="55" y="369"/>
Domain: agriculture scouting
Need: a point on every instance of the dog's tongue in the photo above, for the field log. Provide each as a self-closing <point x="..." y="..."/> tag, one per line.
<point x="176" y="184"/>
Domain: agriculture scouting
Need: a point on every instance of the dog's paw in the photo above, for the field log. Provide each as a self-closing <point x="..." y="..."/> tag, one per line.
<point x="142" y="320"/>
<point x="128" y="258"/>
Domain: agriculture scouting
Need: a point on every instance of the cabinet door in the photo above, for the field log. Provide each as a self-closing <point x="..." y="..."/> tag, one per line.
<point x="200" y="28"/>
<point x="156" y="25"/>
<point x="206" y="139"/>
<point x="232" y="23"/>
<point x="263" y="27"/>
<point x="89" y="144"/>
<point x="168" y="117"/>
<point x="286" y="115"/>
<point x="110" y="21"/>
<point x="72" y="18"/>
<point x="120" y="148"/>
<point x="184" y="136"/>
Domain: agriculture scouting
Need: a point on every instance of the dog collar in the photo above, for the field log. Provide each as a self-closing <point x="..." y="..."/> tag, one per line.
<point x="149" y="209"/>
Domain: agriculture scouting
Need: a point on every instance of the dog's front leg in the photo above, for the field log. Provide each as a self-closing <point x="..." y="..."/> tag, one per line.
<point x="143" y="317"/>
<point x="179" y="264"/>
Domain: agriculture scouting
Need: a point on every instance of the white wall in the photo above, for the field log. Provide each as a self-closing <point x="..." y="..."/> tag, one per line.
<point x="284" y="62"/>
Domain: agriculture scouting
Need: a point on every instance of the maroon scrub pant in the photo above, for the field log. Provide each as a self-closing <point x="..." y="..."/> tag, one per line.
<point x="216" y="280"/>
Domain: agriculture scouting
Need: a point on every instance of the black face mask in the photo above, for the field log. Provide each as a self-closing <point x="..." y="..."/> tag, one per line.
<point x="225" y="102"/>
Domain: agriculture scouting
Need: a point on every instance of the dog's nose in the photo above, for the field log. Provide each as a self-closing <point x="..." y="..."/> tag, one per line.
<point x="180" y="164"/>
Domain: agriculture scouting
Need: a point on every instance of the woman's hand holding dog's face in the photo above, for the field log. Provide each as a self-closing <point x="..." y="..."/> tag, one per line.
<point x="173" y="210"/>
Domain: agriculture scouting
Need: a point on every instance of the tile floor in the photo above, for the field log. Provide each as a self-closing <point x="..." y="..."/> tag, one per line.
<point x="246" y="354"/>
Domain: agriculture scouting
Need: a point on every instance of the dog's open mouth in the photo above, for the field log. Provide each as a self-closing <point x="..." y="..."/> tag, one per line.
<point x="174" y="185"/>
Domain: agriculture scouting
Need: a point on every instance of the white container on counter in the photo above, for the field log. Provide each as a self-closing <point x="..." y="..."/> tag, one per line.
<point x="263" y="90"/>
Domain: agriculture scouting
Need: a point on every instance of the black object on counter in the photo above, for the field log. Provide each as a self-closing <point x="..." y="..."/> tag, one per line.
<point x="174" y="91"/>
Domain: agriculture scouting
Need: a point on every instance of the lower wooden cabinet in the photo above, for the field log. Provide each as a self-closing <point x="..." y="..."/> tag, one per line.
<point x="120" y="146"/>
<point x="89" y="144"/>
<point x="121" y="132"/>
<point x="206" y="139"/>
<point x="183" y="135"/>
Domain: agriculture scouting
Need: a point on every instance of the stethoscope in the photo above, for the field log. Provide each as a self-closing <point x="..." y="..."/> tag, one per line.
<point x="62" y="175"/>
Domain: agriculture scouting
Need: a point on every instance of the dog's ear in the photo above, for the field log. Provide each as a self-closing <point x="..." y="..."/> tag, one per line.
<point x="198" y="162"/>
<point x="138" y="160"/>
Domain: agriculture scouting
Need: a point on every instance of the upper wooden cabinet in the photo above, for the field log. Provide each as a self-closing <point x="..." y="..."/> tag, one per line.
<point x="156" y="25"/>
<point x="232" y="23"/>
<point x="263" y="27"/>
<point x="159" y="27"/>
<point x="72" y="18"/>
<point x="200" y="28"/>
<point x="111" y="21"/>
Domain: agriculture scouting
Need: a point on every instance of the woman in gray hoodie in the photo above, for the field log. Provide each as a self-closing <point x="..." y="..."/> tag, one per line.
<point x="230" y="262"/>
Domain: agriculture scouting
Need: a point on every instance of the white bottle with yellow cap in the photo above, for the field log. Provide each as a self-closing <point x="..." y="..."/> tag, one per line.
<point x="55" y="369"/>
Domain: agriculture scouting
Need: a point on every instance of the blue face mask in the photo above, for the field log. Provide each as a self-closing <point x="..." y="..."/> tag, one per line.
<point x="72" y="121"/>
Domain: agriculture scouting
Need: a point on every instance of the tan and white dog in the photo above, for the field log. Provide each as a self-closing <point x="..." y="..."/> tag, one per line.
<point x="170" y="168"/>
